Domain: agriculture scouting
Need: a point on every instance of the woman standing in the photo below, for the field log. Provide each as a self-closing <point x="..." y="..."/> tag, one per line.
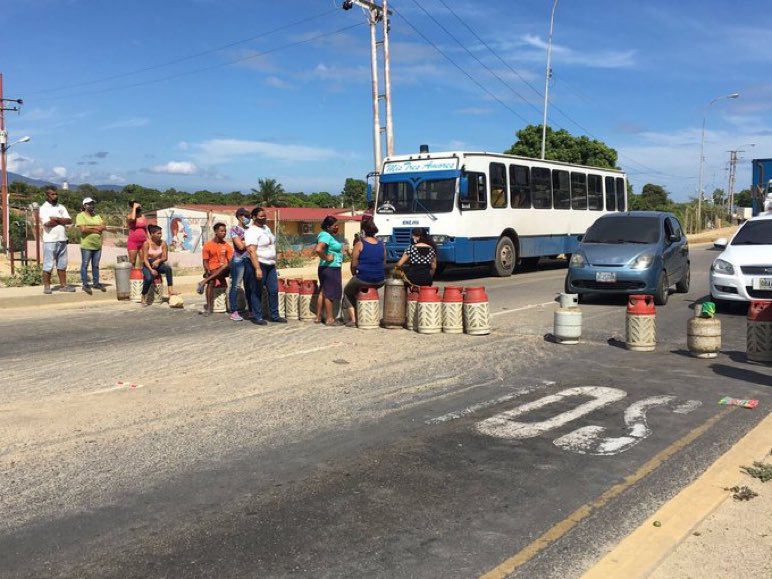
<point x="261" y="267"/>
<point x="137" y="231"/>
<point x="155" y="253"/>
<point x="421" y="258"/>
<point x="330" y="252"/>
<point x="368" y="266"/>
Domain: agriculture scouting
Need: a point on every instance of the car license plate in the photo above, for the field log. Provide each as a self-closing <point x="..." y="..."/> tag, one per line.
<point x="606" y="276"/>
<point x="762" y="283"/>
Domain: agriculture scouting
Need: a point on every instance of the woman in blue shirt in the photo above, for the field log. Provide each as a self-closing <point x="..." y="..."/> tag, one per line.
<point x="330" y="252"/>
<point x="368" y="266"/>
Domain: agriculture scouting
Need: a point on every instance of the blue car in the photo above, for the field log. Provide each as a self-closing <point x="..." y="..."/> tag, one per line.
<point x="638" y="252"/>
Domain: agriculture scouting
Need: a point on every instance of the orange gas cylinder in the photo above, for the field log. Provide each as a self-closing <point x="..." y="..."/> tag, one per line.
<point x="641" y="305"/>
<point x="759" y="331"/>
<point x="282" y="300"/>
<point x="412" y="303"/>
<point x="429" y="310"/>
<point x="453" y="293"/>
<point x="429" y="294"/>
<point x="292" y="285"/>
<point x="292" y="299"/>
<point x="453" y="309"/>
<point x="475" y="295"/>
<point x="136" y="279"/>
<point x="307" y="287"/>
<point x="306" y="293"/>
<point x="477" y="318"/>
<point x="368" y="308"/>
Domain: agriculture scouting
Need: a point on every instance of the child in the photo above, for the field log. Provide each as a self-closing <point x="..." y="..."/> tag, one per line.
<point x="216" y="255"/>
<point x="154" y="256"/>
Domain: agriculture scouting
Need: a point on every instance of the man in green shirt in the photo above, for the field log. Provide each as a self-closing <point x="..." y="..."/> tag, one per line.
<point x="91" y="228"/>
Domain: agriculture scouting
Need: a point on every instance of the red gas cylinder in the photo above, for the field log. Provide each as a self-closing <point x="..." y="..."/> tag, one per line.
<point x="429" y="294"/>
<point x="282" y="285"/>
<point x="293" y="286"/>
<point x="641" y="305"/>
<point x="367" y="294"/>
<point x="475" y="295"/>
<point x="477" y="321"/>
<point x="136" y="273"/>
<point x="307" y="287"/>
<point x="760" y="311"/>
<point x="135" y="283"/>
<point x="453" y="294"/>
<point x="412" y="302"/>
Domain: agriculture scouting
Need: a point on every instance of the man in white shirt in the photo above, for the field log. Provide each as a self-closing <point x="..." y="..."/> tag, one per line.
<point x="54" y="218"/>
<point x="261" y="248"/>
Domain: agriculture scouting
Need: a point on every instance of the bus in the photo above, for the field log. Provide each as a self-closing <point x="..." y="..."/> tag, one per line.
<point x="492" y="208"/>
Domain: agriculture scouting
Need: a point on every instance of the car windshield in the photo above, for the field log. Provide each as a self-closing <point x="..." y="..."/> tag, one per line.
<point x="629" y="229"/>
<point x="430" y="196"/>
<point x="754" y="233"/>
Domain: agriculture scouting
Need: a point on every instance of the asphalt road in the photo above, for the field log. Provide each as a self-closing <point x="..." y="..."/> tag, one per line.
<point x="299" y="450"/>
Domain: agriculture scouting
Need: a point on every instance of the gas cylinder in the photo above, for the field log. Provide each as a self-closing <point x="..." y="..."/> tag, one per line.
<point x="136" y="284"/>
<point x="429" y="310"/>
<point x="411" y="322"/>
<point x="477" y="320"/>
<point x="306" y="293"/>
<point x="759" y="331"/>
<point x="282" y="293"/>
<point x="292" y="297"/>
<point x="123" y="279"/>
<point x="641" y="324"/>
<point x="220" y="299"/>
<point x="703" y="335"/>
<point x="368" y="308"/>
<point x="568" y="320"/>
<point x="394" y="298"/>
<point x="453" y="309"/>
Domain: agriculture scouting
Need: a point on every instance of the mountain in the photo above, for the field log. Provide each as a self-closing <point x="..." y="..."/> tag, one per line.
<point x="15" y="177"/>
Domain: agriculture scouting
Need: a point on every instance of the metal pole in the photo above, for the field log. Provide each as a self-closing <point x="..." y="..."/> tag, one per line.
<point x="387" y="81"/>
<point x="374" y="72"/>
<point x="547" y="76"/>
<point x="3" y="168"/>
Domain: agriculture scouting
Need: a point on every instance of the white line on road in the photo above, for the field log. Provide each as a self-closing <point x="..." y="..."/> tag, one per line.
<point x="523" y="308"/>
<point x="487" y="403"/>
<point x="118" y="386"/>
<point x="308" y="351"/>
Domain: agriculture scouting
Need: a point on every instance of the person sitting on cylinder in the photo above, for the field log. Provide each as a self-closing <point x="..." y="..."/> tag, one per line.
<point x="421" y="259"/>
<point x="216" y="255"/>
<point x="155" y="254"/>
<point x="368" y="266"/>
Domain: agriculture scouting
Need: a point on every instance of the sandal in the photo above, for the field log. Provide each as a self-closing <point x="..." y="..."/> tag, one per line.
<point x="334" y="323"/>
<point x="351" y="324"/>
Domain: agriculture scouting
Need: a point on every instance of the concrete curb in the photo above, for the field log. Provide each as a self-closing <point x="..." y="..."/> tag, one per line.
<point x="646" y="548"/>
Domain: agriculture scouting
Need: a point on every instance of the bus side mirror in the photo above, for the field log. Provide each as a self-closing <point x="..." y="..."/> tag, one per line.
<point x="369" y="192"/>
<point x="463" y="187"/>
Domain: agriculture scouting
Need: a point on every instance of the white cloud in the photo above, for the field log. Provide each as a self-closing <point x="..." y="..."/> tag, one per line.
<point x="602" y="59"/>
<point x="126" y="124"/>
<point x="183" y="146"/>
<point x="175" y="168"/>
<point x="116" y="179"/>
<point x="225" y="150"/>
<point x="60" y="172"/>
<point x="276" y="82"/>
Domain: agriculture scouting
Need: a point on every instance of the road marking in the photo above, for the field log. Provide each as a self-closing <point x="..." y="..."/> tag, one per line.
<point x="560" y="529"/>
<point x="504" y="426"/>
<point x="523" y="308"/>
<point x="307" y="351"/>
<point x="488" y="403"/>
<point x="118" y="386"/>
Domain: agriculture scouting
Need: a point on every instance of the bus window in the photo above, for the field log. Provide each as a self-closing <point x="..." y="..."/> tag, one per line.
<point x="477" y="192"/>
<point x="620" y="194"/>
<point x="541" y="188"/>
<point x="561" y="190"/>
<point x="595" y="192"/>
<point x="578" y="191"/>
<point x="519" y="187"/>
<point x="611" y="200"/>
<point x="498" y="172"/>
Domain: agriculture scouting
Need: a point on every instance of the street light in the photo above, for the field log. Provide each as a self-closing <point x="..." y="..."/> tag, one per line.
<point x="6" y="201"/>
<point x="734" y="95"/>
<point x="547" y="76"/>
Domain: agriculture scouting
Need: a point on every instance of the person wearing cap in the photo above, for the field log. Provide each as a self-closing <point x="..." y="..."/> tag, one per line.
<point x="238" y="262"/>
<point x="91" y="228"/>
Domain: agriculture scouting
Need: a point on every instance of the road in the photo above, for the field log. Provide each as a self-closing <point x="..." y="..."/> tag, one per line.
<point x="146" y="443"/>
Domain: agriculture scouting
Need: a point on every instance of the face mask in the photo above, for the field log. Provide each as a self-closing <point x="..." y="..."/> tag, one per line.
<point x="245" y="221"/>
<point x="260" y="222"/>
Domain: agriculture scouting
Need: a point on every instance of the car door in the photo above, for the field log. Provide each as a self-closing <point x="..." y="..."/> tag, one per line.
<point x="683" y="246"/>
<point x="670" y="252"/>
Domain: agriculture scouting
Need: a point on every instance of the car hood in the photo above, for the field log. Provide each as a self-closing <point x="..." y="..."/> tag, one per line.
<point x="614" y="253"/>
<point x="748" y="255"/>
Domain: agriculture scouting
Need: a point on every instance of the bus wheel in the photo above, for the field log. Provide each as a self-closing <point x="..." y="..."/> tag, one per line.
<point x="506" y="257"/>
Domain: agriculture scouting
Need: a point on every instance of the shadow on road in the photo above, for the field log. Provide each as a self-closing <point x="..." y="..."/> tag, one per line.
<point x="459" y="273"/>
<point x="744" y="374"/>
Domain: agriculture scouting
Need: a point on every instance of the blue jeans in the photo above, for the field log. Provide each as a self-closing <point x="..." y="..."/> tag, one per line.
<point x="238" y="268"/>
<point x="148" y="277"/>
<point x="86" y="256"/>
<point x="270" y="280"/>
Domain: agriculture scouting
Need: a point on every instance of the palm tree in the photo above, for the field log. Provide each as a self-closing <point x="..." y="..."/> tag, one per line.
<point x="270" y="193"/>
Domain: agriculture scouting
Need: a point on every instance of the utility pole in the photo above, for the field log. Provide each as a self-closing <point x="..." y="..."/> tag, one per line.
<point x="733" y="177"/>
<point x="5" y="206"/>
<point x="378" y="14"/>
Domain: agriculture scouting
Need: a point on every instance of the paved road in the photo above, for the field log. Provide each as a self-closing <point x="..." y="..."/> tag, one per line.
<point x="278" y="451"/>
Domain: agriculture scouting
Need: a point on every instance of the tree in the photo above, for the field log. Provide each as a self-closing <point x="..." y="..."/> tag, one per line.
<point x="562" y="146"/>
<point x="269" y="193"/>
<point x="354" y="193"/>
<point x="743" y="198"/>
<point x="323" y="199"/>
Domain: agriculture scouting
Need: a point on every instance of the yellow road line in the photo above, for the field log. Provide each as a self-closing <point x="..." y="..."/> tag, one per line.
<point x="564" y="526"/>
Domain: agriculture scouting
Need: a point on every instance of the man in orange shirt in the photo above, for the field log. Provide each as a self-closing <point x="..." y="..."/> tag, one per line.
<point x="216" y="255"/>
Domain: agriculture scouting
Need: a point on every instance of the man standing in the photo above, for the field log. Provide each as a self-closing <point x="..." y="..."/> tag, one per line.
<point x="54" y="218"/>
<point x="91" y="228"/>
<point x="216" y="255"/>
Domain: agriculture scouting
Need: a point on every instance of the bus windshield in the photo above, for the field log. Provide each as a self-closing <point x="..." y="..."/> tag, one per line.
<point x="430" y="196"/>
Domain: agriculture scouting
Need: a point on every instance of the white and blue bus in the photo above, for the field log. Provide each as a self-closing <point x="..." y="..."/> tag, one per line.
<point x="492" y="208"/>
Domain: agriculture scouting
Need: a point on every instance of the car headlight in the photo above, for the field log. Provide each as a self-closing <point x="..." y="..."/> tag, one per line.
<point x="722" y="266"/>
<point x="383" y="238"/>
<point x="643" y="261"/>
<point x="439" y="238"/>
<point x="577" y="260"/>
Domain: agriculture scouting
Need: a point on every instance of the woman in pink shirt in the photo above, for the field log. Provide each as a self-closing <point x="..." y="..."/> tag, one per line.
<point x="137" y="231"/>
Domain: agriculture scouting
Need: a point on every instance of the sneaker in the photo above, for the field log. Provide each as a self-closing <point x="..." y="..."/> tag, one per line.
<point x="280" y="321"/>
<point x="67" y="288"/>
<point x="259" y="322"/>
<point x="200" y="288"/>
<point x="236" y="317"/>
<point x="87" y="289"/>
<point x="47" y="290"/>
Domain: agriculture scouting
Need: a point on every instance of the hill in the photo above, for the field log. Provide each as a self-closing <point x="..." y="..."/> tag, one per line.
<point x="16" y="178"/>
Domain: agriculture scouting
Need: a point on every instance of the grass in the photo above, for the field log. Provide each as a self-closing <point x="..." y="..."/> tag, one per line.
<point x="759" y="470"/>
<point x="742" y="493"/>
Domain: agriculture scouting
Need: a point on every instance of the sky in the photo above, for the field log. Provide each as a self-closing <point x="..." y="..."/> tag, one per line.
<point x="217" y="94"/>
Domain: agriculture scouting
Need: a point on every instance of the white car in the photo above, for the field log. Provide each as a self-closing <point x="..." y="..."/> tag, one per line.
<point x="743" y="271"/>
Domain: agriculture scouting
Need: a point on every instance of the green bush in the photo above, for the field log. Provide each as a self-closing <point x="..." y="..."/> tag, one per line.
<point x="25" y="275"/>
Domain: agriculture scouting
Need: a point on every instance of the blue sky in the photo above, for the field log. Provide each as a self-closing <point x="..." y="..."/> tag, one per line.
<point x="216" y="94"/>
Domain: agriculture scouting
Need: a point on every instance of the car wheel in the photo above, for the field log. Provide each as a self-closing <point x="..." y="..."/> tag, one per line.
<point x="682" y="287"/>
<point x="663" y="290"/>
<point x="506" y="258"/>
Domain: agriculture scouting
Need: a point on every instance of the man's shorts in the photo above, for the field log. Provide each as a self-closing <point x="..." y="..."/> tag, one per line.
<point x="54" y="253"/>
